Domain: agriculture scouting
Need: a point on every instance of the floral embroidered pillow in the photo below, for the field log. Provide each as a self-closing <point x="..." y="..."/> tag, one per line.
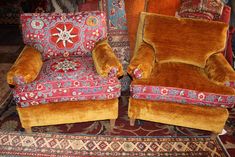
<point x="64" y="34"/>
<point x="201" y="9"/>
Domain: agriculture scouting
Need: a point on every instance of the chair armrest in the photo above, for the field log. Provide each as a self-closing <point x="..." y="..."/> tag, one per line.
<point x="219" y="70"/>
<point x="106" y="63"/>
<point x="26" y="68"/>
<point x="142" y="63"/>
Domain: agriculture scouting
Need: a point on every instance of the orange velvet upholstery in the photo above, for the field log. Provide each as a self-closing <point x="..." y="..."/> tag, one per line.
<point x="27" y="66"/>
<point x="186" y="57"/>
<point x="105" y="59"/>
<point x="184" y="40"/>
<point x="133" y="9"/>
<point x="143" y="60"/>
<point x="219" y="70"/>
<point x="68" y="112"/>
<point x="164" y="7"/>
<point x="204" y="118"/>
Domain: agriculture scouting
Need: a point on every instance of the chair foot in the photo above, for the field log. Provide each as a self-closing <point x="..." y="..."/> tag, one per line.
<point x="213" y="136"/>
<point x="112" y="124"/>
<point x="28" y="130"/>
<point x="132" y="122"/>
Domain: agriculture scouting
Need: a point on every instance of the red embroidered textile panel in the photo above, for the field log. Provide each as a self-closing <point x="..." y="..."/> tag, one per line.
<point x="71" y="34"/>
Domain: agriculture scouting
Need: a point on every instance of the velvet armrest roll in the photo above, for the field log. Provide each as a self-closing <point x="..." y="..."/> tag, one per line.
<point x="219" y="70"/>
<point x="26" y="68"/>
<point x="142" y="63"/>
<point x="106" y="63"/>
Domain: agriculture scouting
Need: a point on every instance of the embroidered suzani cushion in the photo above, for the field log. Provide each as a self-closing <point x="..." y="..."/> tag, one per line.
<point x="201" y="9"/>
<point x="67" y="79"/>
<point x="71" y="34"/>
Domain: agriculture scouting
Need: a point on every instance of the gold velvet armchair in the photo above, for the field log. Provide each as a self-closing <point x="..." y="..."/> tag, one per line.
<point x="67" y="73"/>
<point x="179" y="75"/>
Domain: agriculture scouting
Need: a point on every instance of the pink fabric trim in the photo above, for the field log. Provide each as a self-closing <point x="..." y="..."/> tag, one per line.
<point x="18" y="80"/>
<point x="113" y="72"/>
<point x="138" y="73"/>
<point x="184" y="96"/>
<point x="197" y="15"/>
<point x="230" y="84"/>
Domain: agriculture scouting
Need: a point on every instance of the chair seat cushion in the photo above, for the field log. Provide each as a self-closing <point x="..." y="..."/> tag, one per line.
<point x="67" y="79"/>
<point x="182" y="83"/>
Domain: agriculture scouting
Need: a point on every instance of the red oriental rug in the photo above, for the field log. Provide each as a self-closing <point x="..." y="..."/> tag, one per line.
<point x="42" y="144"/>
<point x="9" y="122"/>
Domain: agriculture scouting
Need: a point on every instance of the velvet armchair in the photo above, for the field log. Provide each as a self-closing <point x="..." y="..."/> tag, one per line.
<point x="179" y="75"/>
<point x="67" y="72"/>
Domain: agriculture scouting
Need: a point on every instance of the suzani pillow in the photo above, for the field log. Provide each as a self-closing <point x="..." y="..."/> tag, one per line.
<point x="201" y="9"/>
<point x="71" y="34"/>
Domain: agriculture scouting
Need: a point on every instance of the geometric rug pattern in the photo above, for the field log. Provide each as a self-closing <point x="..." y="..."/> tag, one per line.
<point x="9" y="122"/>
<point x="42" y="144"/>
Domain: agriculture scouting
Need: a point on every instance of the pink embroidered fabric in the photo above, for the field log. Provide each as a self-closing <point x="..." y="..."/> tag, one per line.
<point x="201" y="9"/>
<point x="67" y="79"/>
<point x="113" y="72"/>
<point x="67" y="34"/>
<point x="179" y="95"/>
<point x="230" y="84"/>
<point x="138" y="73"/>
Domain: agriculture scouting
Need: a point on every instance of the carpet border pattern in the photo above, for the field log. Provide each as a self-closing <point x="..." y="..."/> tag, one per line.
<point x="42" y="144"/>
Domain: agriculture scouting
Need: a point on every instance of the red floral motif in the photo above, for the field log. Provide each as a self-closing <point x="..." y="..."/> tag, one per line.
<point x="96" y="33"/>
<point x="201" y="96"/>
<point x="138" y="73"/>
<point x="76" y="83"/>
<point x="65" y="65"/>
<point x="90" y="44"/>
<point x="64" y="35"/>
<point x="39" y="87"/>
<point x="164" y="91"/>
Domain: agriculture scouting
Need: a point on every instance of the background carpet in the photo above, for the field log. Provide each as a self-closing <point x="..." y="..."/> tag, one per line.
<point x="77" y="145"/>
<point x="9" y="122"/>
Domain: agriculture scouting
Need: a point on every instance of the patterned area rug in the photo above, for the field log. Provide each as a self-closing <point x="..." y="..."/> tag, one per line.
<point x="9" y="122"/>
<point x="41" y="144"/>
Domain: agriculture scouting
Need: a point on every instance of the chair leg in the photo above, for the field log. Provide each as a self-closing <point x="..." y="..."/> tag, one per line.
<point x="213" y="136"/>
<point x="28" y="130"/>
<point x="132" y="122"/>
<point x="112" y="124"/>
